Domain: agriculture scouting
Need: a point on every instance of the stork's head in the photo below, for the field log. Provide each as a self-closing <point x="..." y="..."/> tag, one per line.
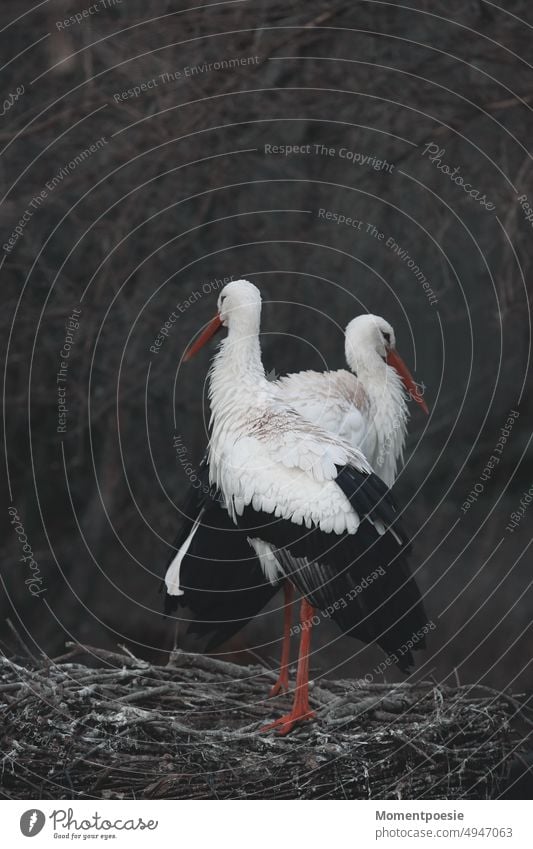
<point x="240" y="300"/>
<point x="365" y="335"/>
<point x="369" y="340"/>
<point x="239" y="308"/>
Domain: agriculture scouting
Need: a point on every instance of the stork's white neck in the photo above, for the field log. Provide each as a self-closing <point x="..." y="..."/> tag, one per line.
<point x="238" y="360"/>
<point x="237" y="384"/>
<point x="388" y="412"/>
<point x="237" y="375"/>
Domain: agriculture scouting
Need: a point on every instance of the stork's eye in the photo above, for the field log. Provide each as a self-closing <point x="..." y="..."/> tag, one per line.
<point x="386" y="337"/>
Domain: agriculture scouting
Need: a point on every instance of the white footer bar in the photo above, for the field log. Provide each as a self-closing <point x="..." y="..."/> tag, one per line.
<point x="250" y="824"/>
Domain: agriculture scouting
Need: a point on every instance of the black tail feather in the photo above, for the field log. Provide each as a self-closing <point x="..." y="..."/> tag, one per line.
<point x="221" y="578"/>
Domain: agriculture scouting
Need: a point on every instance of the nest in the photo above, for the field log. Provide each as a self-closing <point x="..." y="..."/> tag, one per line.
<point x="123" y="729"/>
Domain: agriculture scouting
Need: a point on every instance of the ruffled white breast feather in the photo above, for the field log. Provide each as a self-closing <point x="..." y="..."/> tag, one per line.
<point x="338" y="402"/>
<point x="265" y="454"/>
<point x="251" y="473"/>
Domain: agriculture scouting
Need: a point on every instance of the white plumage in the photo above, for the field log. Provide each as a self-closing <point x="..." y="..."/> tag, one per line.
<point x="262" y="452"/>
<point x="172" y="575"/>
<point x="366" y="408"/>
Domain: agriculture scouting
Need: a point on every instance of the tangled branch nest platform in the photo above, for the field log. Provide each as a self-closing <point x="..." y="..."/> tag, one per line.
<point x="190" y="730"/>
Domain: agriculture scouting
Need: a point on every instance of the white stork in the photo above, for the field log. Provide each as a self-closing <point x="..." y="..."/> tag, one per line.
<point x="308" y="503"/>
<point x="367" y="406"/>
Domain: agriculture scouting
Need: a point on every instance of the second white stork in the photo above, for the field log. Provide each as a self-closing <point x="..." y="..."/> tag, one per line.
<point x="311" y="508"/>
<point x="367" y="405"/>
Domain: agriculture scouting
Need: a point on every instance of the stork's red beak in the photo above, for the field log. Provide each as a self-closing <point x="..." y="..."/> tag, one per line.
<point x="213" y="327"/>
<point x="394" y="360"/>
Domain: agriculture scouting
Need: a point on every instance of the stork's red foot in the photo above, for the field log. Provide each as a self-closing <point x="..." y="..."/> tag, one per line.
<point x="281" y="685"/>
<point x="300" y="710"/>
<point x="285" y="724"/>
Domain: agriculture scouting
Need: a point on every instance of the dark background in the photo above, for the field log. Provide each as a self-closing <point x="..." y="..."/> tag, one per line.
<point x="182" y="194"/>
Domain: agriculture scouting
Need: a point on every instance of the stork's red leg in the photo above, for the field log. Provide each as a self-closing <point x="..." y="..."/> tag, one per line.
<point x="282" y="684"/>
<point x="300" y="709"/>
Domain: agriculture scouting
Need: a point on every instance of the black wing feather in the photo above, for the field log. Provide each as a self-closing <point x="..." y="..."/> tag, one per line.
<point x="361" y="580"/>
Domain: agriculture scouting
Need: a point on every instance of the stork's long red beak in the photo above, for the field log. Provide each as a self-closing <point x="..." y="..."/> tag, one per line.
<point x="213" y="327"/>
<point x="394" y="360"/>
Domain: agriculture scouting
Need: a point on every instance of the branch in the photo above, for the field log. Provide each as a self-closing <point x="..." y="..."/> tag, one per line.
<point x="191" y="729"/>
